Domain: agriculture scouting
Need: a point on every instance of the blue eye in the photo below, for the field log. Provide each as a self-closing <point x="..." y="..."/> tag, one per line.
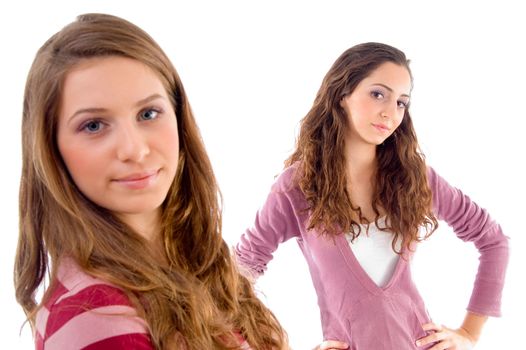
<point x="92" y="126"/>
<point x="149" y="114"/>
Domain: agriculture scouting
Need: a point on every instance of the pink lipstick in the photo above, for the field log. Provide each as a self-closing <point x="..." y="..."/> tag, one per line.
<point x="381" y="127"/>
<point x="137" y="181"/>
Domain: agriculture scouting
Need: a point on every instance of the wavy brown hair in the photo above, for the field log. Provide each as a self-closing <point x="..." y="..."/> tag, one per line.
<point x="400" y="185"/>
<point x="196" y="295"/>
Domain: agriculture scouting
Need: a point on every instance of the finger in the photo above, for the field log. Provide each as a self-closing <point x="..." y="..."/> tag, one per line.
<point x="432" y="327"/>
<point x="442" y="346"/>
<point x="439" y="346"/>
<point x="435" y="337"/>
<point x="333" y="344"/>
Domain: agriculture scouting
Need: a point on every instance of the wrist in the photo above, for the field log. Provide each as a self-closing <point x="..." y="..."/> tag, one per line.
<point x="473" y="338"/>
<point x="472" y="326"/>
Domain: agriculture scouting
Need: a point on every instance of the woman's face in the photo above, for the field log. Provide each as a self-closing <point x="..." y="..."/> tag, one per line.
<point x="377" y="105"/>
<point x="117" y="134"/>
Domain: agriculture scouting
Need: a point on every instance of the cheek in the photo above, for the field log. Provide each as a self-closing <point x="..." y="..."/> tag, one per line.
<point x="400" y="119"/>
<point x="168" y="141"/>
<point x="85" y="163"/>
<point x="363" y="109"/>
<point x="81" y="164"/>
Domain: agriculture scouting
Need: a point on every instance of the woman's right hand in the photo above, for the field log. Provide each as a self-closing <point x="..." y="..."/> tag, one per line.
<point x="332" y="345"/>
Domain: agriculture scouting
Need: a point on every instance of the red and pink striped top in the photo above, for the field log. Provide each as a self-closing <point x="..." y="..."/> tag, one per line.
<point x="87" y="313"/>
<point x="84" y="312"/>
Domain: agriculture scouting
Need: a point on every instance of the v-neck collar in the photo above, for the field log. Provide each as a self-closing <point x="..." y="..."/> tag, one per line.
<point x="359" y="272"/>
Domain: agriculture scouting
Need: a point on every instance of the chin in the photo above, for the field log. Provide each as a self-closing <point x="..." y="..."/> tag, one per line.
<point x="377" y="142"/>
<point x="136" y="210"/>
<point x="136" y="207"/>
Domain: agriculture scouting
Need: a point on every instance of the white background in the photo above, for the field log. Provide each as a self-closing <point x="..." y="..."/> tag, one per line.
<point x="252" y="69"/>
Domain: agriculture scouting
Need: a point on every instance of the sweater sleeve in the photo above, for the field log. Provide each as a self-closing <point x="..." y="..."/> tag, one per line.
<point x="275" y="223"/>
<point x="472" y="223"/>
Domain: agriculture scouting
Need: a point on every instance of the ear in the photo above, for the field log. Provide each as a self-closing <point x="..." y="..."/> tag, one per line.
<point x="342" y="102"/>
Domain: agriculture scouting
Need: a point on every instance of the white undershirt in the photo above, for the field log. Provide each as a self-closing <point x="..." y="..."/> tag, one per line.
<point x="373" y="250"/>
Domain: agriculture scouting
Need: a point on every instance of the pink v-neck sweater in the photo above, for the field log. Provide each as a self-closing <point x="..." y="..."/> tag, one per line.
<point x="352" y="307"/>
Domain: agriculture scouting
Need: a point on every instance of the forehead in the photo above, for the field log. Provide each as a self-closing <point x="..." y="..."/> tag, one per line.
<point x="104" y="80"/>
<point x="395" y="76"/>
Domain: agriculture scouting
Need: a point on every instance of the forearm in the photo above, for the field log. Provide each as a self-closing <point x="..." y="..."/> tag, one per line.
<point x="473" y="324"/>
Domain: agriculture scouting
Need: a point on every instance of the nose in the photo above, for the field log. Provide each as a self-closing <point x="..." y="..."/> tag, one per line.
<point x="131" y="144"/>
<point x="390" y="110"/>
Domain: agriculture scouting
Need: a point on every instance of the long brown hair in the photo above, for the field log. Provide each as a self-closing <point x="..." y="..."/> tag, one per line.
<point x="198" y="294"/>
<point x="400" y="187"/>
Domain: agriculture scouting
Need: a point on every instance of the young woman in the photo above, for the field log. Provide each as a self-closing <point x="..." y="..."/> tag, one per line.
<point x="119" y="203"/>
<point x="357" y="195"/>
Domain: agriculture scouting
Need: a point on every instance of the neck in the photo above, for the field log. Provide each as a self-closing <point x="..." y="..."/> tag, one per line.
<point x="145" y="224"/>
<point x="361" y="160"/>
<point x="148" y="225"/>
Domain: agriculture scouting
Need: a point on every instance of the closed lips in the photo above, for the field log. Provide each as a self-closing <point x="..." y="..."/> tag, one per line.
<point x="381" y="126"/>
<point x="137" y="176"/>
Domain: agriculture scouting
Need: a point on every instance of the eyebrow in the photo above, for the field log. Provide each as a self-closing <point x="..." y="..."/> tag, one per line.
<point x="391" y="90"/>
<point x="102" y="110"/>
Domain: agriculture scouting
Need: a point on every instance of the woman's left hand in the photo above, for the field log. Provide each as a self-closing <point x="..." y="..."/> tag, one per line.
<point x="446" y="338"/>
